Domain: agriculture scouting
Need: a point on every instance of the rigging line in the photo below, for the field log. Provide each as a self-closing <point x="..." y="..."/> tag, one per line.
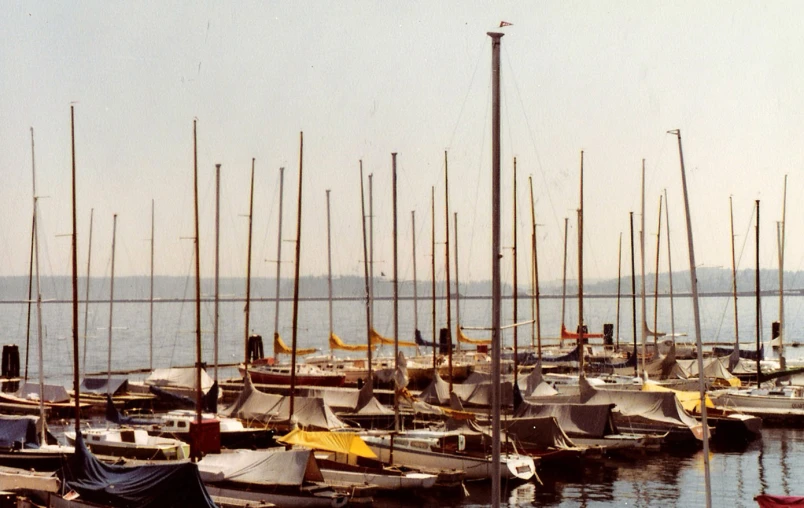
<point x="546" y="187"/>
<point x="480" y="53"/>
<point x="478" y="173"/>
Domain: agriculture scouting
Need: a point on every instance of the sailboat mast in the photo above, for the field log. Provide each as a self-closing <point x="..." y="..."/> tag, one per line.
<point x="150" y="299"/>
<point x="433" y="276"/>
<point x="781" y="278"/>
<point x="564" y="277"/>
<point x="696" y="312"/>
<point x="217" y="262"/>
<point x="111" y="308"/>
<point x="198" y="401"/>
<point x="86" y="303"/>
<point x="366" y="274"/>
<point x="247" y="308"/>
<point x="415" y="288"/>
<point x="76" y="385"/>
<point x="734" y="280"/>
<point x="669" y="265"/>
<point x="31" y="263"/>
<point x="656" y="275"/>
<point x="40" y="339"/>
<point x="396" y="297"/>
<point x="758" y="307"/>
<point x="642" y="264"/>
<point x="633" y="293"/>
<point x="371" y="245"/>
<point x="446" y="270"/>
<point x="278" y="255"/>
<point x="534" y="245"/>
<point x="515" y="288"/>
<point x="619" y="282"/>
<point x="580" y="277"/>
<point x="296" y="281"/>
<point x="457" y="278"/>
<point x="495" y="270"/>
<point x="329" y="268"/>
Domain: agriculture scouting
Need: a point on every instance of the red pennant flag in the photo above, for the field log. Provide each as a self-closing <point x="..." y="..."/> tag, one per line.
<point x="505" y="23"/>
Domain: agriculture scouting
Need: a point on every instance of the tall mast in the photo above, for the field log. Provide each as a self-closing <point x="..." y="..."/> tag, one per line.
<point x="151" y="299"/>
<point x="415" y="288"/>
<point x="669" y="265"/>
<point x="40" y="339"/>
<point x="580" y="276"/>
<point x="86" y="303"/>
<point x="495" y="270"/>
<point x="247" y="308"/>
<point x="457" y="278"/>
<point x="371" y="246"/>
<point x="656" y="279"/>
<point x="296" y="281"/>
<point x="515" y="288"/>
<point x="781" y="242"/>
<point x="396" y="298"/>
<point x="366" y="273"/>
<point x="564" y="278"/>
<point x="76" y="385"/>
<point x="633" y="292"/>
<point x="111" y="307"/>
<point x="537" y="318"/>
<point x="278" y="254"/>
<point x="31" y="264"/>
<point x="642" y="263"/>
<point x="734" y="281"/>
<point x="696" y="312"/>
<point x="329" y="267"/>
<point x="217" y="262"/>
<point x="446" y="271"/>
<point x="198" y="401"/>
<point x="757" y="291"/>
<point x="619" y="281"/>
<point x="433" y="276"/>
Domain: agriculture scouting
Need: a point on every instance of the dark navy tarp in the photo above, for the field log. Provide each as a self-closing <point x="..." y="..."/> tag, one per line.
<point x="150" y="486"/>
<point x="748" y="354"/>
<point x="98" y="386"/>
<point x="18" y="429"/>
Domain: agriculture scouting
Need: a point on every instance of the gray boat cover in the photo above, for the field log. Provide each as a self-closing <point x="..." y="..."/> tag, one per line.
<point x="53" y="393"/>
<point x="470" y="394"/>
<point x="311" y="413"/>
<point x="716" y="368"/>
<point x="585" y="420"/>
<point x="535" y="385"/>
<point x="661" y="407"/>
<point x="98" y="386"/>
<point x="541" y="432"/>
<point x="276" y="466"/>
<point x="150" y="486"/>
<point x="181" y="377"/>
<point x="349" y="401"/>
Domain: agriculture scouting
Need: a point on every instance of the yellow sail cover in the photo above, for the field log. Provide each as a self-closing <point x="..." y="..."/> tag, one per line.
<point x="466" y="340"/>
<point x="335" y="342"/>
<point x="338" y="442"/>
<point x="281" y="348"/>
<point x="690" y="401"/>
<point x="376" y="338"/>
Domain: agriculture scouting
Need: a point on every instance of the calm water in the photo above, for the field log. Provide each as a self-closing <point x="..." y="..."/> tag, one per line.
<point x="774" y="464"/>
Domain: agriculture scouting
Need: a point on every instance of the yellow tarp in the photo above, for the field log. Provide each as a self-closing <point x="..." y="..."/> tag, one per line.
<point x="690" y="401"/>
<point x="338" y="442"/>
<point x="466" y="340"/>
<point x="335" y="342"/>
<point x="376" y="338"/>
<point x="281" y="348"/>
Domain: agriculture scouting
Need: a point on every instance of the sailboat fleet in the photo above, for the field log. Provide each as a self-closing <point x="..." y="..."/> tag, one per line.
<point x="335" y="430"/>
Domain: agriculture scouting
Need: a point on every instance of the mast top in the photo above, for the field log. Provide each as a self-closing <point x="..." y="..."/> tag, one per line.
<point x="495" y="35"/>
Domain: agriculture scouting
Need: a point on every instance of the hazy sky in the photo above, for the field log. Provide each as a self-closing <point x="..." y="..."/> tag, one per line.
<point x="364" y="79"/>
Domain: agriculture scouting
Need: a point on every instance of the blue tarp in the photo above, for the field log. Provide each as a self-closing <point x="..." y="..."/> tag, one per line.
<point x="98" y="386"/>
<point x="18" y="429"/>
<point x="151" y="486"/>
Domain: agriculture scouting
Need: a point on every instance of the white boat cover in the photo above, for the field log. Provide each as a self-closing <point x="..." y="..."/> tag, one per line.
<point x="53" y="393"/>
<point x="308" y="412"/>
<point x="586" y="420"/>
<point x="535" y="385"/>
<point x="716" y="368"/>
<point x="655" y="406"/>
<point x="262" y="467"/>
<point x="181" y="377"/>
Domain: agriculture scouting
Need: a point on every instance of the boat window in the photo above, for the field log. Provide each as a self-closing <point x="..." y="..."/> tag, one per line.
<point x="127" y="436"/>
<point x="182" y="425"/>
